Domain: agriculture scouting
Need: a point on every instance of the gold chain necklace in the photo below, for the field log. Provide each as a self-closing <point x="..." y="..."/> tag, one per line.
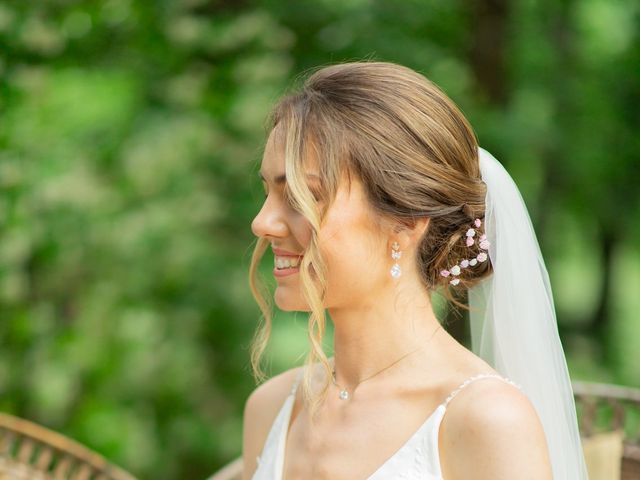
<point x="344" y="394"/>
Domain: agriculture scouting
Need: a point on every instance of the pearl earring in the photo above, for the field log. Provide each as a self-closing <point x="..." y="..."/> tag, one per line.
<point x="396" y="254"/>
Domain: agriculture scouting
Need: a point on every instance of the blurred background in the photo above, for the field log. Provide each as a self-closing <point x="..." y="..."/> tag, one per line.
<point x="131" y="132"/>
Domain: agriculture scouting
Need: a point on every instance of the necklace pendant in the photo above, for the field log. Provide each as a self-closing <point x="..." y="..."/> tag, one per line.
<point x="344" y="395"/>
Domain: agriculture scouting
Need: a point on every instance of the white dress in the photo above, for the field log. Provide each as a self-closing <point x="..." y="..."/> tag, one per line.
<point x="417" y="459"/>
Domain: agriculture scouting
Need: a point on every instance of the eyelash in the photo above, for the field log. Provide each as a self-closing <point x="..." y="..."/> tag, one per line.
<point x="316" y="197"/>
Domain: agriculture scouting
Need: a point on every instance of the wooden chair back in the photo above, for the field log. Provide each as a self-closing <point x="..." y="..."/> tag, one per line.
<point x="30" y="451"/>
<point x="609" y="408"/>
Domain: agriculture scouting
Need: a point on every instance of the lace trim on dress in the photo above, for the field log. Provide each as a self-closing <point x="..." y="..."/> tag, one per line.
<point x="476" y="377"/>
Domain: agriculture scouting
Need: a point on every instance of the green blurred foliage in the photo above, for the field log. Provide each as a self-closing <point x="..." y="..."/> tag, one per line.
<point x="130" y="136"/>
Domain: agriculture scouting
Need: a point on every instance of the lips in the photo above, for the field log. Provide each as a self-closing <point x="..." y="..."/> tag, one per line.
<point x="284" y="253"/>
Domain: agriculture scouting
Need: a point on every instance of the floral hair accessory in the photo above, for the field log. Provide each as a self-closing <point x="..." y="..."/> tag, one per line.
<point x="483" y="243"/>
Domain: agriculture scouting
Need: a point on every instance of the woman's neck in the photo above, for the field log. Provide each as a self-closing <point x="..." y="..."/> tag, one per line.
<point x="369" y="339"/>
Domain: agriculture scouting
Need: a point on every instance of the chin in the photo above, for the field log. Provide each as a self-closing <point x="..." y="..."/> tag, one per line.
<point x="289" y="303"/>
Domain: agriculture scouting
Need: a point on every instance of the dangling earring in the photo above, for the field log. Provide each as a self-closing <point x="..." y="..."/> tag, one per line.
<point x="396" y="254"/>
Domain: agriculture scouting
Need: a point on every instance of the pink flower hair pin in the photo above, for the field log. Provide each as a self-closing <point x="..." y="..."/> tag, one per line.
<point x="465" y="263"/>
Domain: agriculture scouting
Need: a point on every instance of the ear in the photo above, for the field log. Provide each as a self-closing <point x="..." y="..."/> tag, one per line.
<point x="410" y="233"/>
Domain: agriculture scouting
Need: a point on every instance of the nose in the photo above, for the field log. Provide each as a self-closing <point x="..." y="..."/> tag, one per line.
<point x="269" y="222"/>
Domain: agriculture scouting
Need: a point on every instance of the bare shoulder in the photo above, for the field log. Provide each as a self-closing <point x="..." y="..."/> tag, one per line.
<point x="492" y="431"/>
<point x="260" y="410"/>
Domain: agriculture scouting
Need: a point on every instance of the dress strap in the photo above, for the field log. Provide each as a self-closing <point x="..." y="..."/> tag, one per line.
<point x="473" y="379"/>
<point x="296" y="382"/>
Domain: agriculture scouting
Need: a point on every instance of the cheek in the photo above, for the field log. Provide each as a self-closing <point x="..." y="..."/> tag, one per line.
<point x="301" y="230"/>
<point x="354" y="255"/>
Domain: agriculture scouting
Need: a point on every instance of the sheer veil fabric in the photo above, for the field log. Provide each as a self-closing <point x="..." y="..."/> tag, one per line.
<point x="513" y="321"/>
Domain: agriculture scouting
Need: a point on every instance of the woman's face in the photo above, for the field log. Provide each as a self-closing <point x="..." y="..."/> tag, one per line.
<point x="350" y="241"/>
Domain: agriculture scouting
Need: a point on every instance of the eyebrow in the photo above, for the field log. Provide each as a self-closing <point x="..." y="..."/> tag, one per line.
<point x="282" y="178"/>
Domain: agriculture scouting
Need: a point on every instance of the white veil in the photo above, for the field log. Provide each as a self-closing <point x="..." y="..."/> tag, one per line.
<point x="513" y="321"/>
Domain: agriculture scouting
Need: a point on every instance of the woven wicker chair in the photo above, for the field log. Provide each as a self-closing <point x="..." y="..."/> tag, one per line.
<point x="29" y="451"/>
<point x="609" y="408"/>
<point x="601" y="408"/>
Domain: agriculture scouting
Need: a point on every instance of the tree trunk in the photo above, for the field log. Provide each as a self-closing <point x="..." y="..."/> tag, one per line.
<point x="487" y="50"/>
<point x="599" y="324"/>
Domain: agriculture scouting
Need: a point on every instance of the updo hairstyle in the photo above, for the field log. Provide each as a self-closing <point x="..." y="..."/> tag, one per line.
<point x="413" y="150"/>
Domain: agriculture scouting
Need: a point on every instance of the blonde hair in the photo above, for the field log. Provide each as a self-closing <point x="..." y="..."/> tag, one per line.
<point x="416" y="155"/>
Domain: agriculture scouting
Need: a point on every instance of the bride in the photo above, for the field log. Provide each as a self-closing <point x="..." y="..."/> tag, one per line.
<point x="377" y="195"/>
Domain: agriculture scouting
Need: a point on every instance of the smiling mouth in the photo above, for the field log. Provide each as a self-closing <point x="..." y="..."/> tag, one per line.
<point x="286" y="263"/>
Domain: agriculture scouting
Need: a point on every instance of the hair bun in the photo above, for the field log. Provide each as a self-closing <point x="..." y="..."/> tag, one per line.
<point x="466" y="209"/>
